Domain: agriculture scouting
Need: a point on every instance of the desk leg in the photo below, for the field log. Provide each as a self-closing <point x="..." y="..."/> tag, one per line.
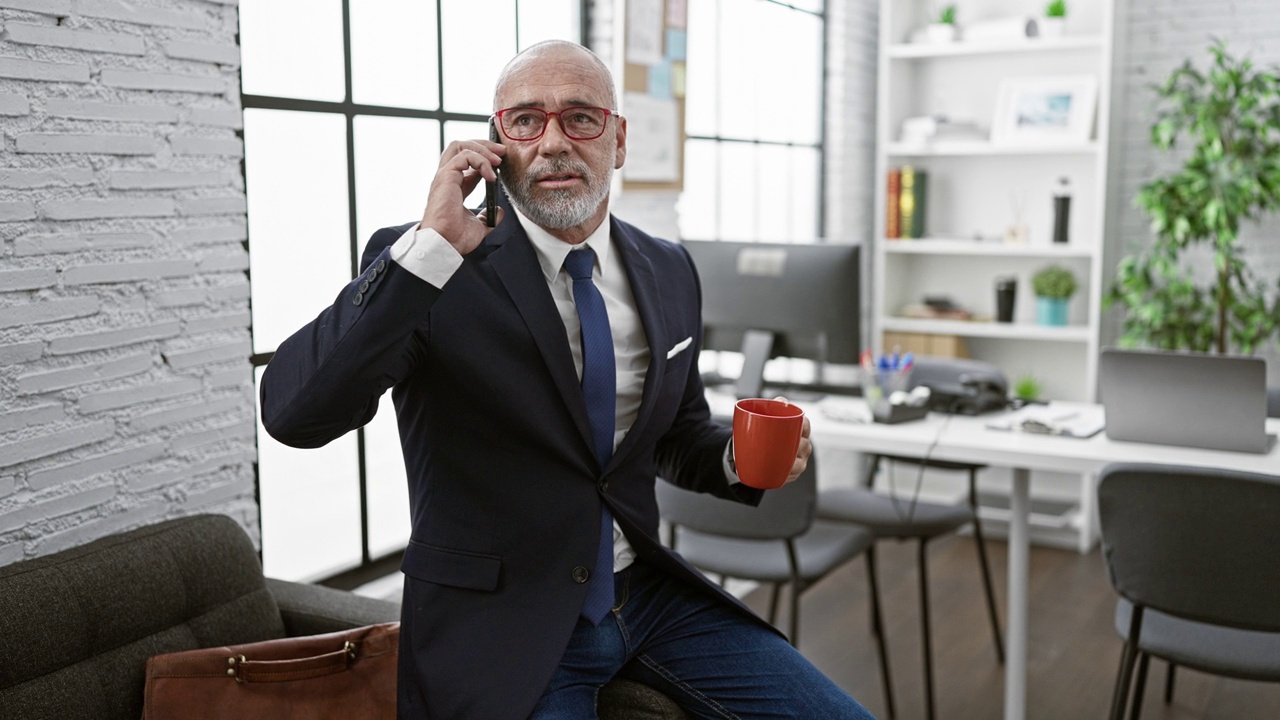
<point x="1015" y="669"/>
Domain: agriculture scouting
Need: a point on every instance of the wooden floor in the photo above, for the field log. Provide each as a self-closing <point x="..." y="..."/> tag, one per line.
<point x="1073" y="656"/>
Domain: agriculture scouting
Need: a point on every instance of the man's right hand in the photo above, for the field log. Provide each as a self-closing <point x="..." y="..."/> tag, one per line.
<point x="462" y="166"/>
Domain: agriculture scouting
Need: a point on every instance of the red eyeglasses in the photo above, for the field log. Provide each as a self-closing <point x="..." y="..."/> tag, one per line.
<point x="529" y="123"/>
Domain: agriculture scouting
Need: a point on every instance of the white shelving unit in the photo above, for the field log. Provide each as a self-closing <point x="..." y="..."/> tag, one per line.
<point x="976" y="189"/>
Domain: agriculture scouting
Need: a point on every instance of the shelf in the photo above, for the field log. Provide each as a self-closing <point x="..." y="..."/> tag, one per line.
<point x="978" y="329"/>
<point x="917" y="51"/>
<point x="978" y="148"/>
<point x="956" y="246"/>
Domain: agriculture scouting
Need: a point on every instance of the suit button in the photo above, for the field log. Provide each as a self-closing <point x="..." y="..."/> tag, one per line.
<point x="359" y="298"/>
<point x="364" y="286"/>
<point x="604" y="486"/>
<point x="382" y="265"/>
<point x="581" y="575"/>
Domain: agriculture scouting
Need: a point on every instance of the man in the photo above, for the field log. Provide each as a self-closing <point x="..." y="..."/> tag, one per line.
<point x="543" y="372"/>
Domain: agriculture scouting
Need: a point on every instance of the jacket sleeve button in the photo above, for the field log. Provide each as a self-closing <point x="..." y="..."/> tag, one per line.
<point x="364" y="286"/>
<point x="581" y="574"/>
<point x="359" y="298"/>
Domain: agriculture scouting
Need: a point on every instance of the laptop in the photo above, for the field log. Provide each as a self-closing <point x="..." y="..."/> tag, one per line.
<point x="1217" y="402"/>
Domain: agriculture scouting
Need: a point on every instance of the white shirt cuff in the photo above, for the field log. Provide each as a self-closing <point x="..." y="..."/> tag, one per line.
<point x="426" y="254"/>
<point x="730" y="473"/>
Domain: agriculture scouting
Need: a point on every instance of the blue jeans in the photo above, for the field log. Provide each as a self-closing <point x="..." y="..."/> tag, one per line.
<point x="708" y="657"/>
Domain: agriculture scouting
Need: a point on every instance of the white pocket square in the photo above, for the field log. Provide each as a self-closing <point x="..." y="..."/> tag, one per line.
<point x="679" y="347"/>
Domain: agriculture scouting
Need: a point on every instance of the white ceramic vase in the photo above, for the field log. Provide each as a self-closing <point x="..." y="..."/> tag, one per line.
<point x="1053" y="27"/>
<point x="939" y="33"/>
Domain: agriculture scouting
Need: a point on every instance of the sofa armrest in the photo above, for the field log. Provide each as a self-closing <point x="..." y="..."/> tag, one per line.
<point x="314" y="609"/>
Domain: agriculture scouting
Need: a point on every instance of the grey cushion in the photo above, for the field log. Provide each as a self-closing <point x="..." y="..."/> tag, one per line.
<point x="79" y="625"/>
<point x="1220" y="650"/>
<point x="627" y="700"/>
<point x="818" y="551"/>
<point x="887" y="517"/>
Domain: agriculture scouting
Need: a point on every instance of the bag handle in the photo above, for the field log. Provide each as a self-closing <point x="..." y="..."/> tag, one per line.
<point x="258" y="671"/>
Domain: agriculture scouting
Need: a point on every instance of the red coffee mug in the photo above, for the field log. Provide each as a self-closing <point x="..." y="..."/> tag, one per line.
<point x="766" y="436"/>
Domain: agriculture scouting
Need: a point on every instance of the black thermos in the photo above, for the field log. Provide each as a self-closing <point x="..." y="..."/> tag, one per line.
<point x="1061" y="210"/>
<point x="1006" y="291"/>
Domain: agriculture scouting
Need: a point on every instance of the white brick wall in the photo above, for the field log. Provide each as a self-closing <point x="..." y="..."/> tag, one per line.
<point x="1160" y="35"/>
<point x="126" y="395"/>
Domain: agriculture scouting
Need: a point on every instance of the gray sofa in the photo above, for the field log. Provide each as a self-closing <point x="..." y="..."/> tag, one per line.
<point x="78" y="626"/>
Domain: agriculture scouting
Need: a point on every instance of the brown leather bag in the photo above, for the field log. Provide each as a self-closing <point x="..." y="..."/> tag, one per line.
<point x="349" y="674"/>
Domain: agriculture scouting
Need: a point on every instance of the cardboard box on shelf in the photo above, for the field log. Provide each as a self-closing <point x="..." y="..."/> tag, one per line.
<point x="926" y="344"/>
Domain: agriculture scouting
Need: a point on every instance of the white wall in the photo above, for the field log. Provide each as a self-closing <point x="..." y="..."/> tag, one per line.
<point x="125" y="385"/>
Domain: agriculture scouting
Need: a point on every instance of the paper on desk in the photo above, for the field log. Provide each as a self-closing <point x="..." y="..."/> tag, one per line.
<point x="1050" y="420"/>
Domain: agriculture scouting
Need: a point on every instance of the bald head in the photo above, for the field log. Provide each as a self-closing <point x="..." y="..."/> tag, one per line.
<point x="549" y="55"/>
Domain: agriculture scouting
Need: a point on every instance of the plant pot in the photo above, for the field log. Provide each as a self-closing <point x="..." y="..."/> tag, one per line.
<point x="1051" y="311"/>
<point x="939" y="33"/>
<point x="1053" y="27"/>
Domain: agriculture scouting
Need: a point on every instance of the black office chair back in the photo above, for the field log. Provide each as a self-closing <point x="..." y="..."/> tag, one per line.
<point x="1273" y="402"/>
<point x="783" y="513"/>
<point x="1200" y="544"/>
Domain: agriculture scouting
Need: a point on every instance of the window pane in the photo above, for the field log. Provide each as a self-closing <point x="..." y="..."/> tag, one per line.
<point x="738" y="57"/>
<point x="773" y="195"/>
<point x="310" y="507"/>
<point x="796" y="84"/>
<point x="805" y="200"/>
<point x="395" y="63"/>
<point x="549" y="20"/>
<point x="697" y="204"/>
<point x="385" y="477"/>
<point x="470" y="69"/>
<point x="292" y="48"/>
<point x="456" y="130"/>
<point x="703" y="69"/>
<point x="396" y="159"/>
<point x="296" y="178"/>
<point x="737" y="213"/>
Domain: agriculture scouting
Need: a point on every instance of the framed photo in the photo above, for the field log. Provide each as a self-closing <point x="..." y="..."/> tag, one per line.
<point x="1045" y="110"/>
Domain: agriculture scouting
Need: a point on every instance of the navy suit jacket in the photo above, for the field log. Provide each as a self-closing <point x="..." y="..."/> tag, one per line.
<point x="504" y="486"/>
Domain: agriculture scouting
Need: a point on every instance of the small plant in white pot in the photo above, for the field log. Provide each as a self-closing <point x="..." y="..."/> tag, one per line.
<point x="1054" y="22"/>
<point x="1053" y="287"/>
<point x="943" y="28"/>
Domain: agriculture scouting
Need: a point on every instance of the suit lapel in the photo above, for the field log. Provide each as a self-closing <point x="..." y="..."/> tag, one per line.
<point x="644" y="288"/>
<point x="514" y="261"/>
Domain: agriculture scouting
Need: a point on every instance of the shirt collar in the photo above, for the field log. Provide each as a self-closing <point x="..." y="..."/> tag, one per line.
<point x="552" y="250"/>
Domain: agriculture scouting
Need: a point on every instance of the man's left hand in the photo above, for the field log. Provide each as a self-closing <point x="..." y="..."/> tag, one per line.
<point x="802" y="452"/>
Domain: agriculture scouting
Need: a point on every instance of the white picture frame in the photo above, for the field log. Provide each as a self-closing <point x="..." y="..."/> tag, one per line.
<point x="1056" y="110"/>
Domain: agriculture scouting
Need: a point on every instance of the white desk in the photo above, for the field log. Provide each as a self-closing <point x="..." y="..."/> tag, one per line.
<point x="966" y="439"/>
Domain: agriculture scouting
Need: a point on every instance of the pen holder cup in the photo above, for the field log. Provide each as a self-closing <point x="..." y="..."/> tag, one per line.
<point x="889" y="414"/>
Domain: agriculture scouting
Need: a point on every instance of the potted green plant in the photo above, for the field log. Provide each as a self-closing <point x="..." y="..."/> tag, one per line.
<point x="1053" y="287"/>
<point x="1027" y="388"/>
<point x="1229" y="122"/>
<point x="943" y="27"/>
<point x="1054" y="22"/>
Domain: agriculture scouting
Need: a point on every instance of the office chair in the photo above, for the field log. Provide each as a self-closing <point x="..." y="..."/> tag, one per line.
<point x="1192" y="554"/>
<point x="892" y="518"/>
<point x="777" y="542"/>
<point x="1273" y="402"/>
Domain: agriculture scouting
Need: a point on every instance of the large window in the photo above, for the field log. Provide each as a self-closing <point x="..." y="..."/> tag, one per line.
<point x="754" y="120"/>
<point x="348" y="104"/>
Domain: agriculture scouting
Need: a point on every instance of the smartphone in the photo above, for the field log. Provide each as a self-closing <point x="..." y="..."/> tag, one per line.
<point x="490" y="187"/>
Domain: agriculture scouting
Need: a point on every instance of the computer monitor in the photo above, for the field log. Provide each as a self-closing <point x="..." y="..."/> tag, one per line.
<point x="798" y="300"/>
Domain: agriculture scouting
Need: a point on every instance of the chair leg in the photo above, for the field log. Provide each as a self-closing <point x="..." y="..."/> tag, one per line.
<point x="1120" y="696"/>
<point x="1139" y="686"/>
<point x="797" y="584"/>
<point x="773" y="603"/>
<point x="924" y="631"/>
<point x="1168" y="683"/>
<point x="872" y="469"/>
<point x="877" y="629"/>
<point x="985" y="566"/>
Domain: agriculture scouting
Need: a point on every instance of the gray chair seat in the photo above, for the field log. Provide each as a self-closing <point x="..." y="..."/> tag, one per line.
<point x="1242" y="654"/>
<point x="818" y="551"/>
<point x="887" y="517"/>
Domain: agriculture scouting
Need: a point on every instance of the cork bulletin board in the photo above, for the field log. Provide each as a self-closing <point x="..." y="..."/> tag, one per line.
<point x="653" y="90"/>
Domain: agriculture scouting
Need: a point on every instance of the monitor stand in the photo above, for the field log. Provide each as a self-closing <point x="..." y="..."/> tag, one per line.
<point x="757" y="345"/>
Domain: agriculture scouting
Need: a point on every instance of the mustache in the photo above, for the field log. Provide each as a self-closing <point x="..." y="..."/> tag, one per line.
<point x="558" y="167"/>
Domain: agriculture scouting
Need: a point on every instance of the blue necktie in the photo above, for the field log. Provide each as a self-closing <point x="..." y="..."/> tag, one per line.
<point x="599" y="390"/>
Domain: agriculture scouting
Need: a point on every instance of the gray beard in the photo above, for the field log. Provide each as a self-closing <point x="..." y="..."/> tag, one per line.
<point x="563" y="208"/>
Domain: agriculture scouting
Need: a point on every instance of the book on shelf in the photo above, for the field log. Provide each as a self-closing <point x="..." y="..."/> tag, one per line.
<point x="893" y="194"/>
<point x="913" y="184"/>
